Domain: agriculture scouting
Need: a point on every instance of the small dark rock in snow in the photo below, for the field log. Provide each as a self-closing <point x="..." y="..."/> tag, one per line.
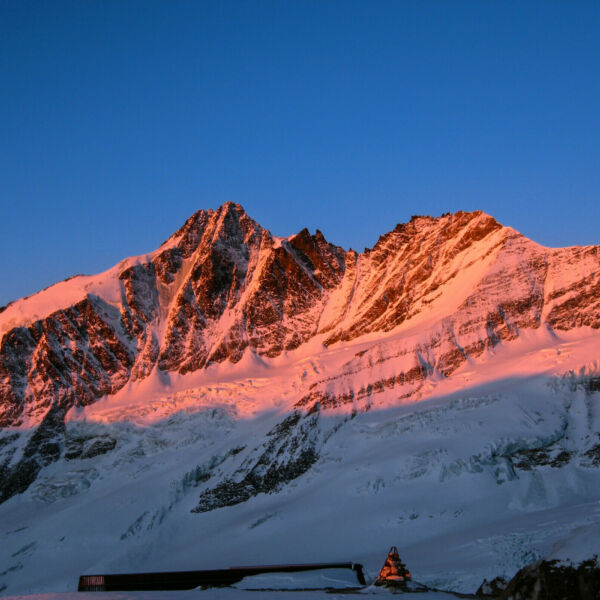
<point x="492" y="588"/>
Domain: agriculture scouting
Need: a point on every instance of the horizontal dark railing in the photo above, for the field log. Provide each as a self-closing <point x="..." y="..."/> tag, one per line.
<point x="187" y="580"/>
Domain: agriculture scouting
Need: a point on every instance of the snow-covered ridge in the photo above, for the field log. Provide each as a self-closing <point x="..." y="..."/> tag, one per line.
<point x="72" y="290"/>
<point x="221" y="285"/>
<point x="439" y="391"/>
<point x="106" y="285"/>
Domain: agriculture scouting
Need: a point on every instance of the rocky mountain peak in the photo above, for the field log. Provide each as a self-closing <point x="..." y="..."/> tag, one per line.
<point x="455" y="354"/>
<point x="234" y="225"/>
<point x="222" y="285"/>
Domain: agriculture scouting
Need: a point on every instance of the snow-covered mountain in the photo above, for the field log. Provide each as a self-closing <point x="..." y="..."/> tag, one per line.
<point x="235" y="397"/>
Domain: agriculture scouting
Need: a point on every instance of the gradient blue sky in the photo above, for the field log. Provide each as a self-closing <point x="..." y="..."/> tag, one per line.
<point x="120" y="119"/>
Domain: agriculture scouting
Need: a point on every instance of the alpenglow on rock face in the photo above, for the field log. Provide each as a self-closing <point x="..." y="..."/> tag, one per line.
<point x="222" y="285"/>
<point x="439" y="391"/>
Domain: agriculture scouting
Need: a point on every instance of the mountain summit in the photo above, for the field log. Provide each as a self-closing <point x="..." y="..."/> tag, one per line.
<point x="438" y="391"/>
<point x="222" y="285"/>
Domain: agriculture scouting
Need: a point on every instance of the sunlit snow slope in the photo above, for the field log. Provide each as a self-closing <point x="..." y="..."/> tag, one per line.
<point x="236" y="398"/>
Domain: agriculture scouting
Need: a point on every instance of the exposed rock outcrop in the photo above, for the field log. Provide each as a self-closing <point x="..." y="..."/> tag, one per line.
<point x="550" y="580"/>
<point x="222" y="286"/>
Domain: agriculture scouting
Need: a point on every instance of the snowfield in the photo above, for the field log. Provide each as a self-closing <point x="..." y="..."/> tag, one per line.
<point x="228" y="594"/>
<point x="476" y="477"/>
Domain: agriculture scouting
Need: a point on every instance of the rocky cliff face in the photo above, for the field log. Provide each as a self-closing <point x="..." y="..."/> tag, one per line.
<point x="222" y="285"/>
<point x="218" y="285"/>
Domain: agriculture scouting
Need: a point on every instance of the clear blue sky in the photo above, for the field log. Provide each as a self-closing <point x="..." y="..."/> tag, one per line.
<point x="120" y="119"/>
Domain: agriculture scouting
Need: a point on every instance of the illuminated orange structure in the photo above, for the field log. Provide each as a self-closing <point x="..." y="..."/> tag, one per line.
<point x="394" y="571"/>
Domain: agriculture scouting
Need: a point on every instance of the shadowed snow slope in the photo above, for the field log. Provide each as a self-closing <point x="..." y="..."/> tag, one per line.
<point x="224" y="594"/>
<point x="234" y="398"/>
